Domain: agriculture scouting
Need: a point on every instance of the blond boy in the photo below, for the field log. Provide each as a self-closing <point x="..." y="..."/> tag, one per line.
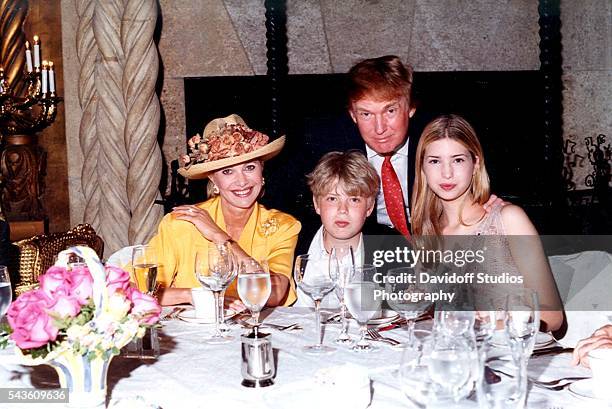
<point x="344" y="187"/>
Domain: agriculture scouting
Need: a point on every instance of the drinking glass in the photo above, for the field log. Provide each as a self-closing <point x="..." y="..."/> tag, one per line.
<point x="254" y="286"/>
<point x="405" y="285"/>
<point x="5" y="291"/>
<point x="215" y="269"/>
<point x="522" y="324"/>
<point x="455" y="323"/>
<point x="144" y="263"/>
<point x="312" y="277"/>
<point x="361" y="302"/>
<point x="450" y="366"/>
<point x="341" y="262"/>
<point x="414" y="378"/>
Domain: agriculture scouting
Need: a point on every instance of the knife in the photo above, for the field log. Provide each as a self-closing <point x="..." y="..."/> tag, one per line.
<point x="551" y="350"/>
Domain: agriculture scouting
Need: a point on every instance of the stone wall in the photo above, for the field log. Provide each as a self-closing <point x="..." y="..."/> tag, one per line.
<point x="587" y="80"/>
<point x="227" y="37"/>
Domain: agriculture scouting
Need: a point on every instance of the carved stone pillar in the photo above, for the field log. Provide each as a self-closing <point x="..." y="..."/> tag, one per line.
<point x="122" y="161"/>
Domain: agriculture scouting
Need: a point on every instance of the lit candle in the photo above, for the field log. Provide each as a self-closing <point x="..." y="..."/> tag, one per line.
<point x="44" y="77"/>
<point x="51" y="78"/>
<point x="36" y="52"/>
<point x="28" y="56"/>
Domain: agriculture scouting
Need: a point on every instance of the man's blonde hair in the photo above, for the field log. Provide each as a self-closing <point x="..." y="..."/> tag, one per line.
<point x="350" y="170"/>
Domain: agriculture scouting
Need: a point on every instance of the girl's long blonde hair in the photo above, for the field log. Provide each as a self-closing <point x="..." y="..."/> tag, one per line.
<point x="426" y="206"/>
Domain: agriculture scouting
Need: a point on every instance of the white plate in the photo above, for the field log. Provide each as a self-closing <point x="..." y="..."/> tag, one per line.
<point x="384" y="317"/>
<point x="189" y="316"/>
<point x="543" y="339"/>
<point x="584" y="389"/>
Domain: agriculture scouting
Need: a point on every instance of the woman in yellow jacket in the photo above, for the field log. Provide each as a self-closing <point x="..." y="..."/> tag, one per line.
<point x="231" y="156"/>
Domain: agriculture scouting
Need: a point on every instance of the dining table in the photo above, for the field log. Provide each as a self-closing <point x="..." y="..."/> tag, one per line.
<point x="190" y="373"/>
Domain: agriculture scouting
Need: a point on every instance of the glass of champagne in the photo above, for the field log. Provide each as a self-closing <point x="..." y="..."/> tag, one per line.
<point x="312" y="277"/>
<point x="254" y="286"/>
<point x="5" y="291"/>
<point x="215" y="269"/>
<point x="341" y="263"/>
<point x="144" y="263"/>
<point x="361" y="302"/>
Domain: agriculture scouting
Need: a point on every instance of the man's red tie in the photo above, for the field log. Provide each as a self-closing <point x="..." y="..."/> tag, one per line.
<point x="394" y="199"/>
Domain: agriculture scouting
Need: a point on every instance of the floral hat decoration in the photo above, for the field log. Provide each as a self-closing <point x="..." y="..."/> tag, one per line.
<point x="226" y="142"/>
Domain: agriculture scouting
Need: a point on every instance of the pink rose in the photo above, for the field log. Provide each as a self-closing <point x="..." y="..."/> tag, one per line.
<point x="81" y="284"/>
<point x="54" y="278"/>
<point x="145" y="306"/>
<point x="27" y="316"/>
<point x="117" y="279"/>
<point x="65" y="305"/>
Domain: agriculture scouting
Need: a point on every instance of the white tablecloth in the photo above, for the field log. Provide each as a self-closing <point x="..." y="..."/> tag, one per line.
<point x="191" y="374"/>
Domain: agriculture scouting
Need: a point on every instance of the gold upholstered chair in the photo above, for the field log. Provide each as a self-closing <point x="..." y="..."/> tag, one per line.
<point x="36" y="254"/>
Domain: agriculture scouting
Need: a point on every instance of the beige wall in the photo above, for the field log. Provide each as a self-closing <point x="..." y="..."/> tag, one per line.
<point x="227" y="37"/>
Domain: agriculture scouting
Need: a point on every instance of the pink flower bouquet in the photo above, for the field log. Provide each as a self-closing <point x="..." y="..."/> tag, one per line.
<point x="90" y="311"/>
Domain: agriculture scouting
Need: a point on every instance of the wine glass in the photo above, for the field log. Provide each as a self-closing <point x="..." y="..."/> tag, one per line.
<point x="144" y="263"/>
<point x="215" y="269"/>
<point x="254" y="286"/>
<point x="341" y="262"/>
<point x="404" y="286"/>
<point x="522" y="324"/>
<point x="6" y="294"/>
<point x="312" y="277"/>
<point x="361" y="302"/>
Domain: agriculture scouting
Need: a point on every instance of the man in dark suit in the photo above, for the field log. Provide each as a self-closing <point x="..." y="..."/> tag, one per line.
<point x="378" y="123"/>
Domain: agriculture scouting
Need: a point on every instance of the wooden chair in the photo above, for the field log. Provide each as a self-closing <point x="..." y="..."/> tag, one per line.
<point x="36" y="254"/>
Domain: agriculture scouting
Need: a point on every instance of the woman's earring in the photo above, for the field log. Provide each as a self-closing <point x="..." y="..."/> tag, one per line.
<point x="263" y="182"/>
<point x="215" y="190"/>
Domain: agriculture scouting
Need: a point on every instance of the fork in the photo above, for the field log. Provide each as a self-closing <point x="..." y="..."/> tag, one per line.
<point x="375" y="336"/>
<point x="172" y="314"/>
<point x="554" y="384"/>
<point x="294" y="326"/>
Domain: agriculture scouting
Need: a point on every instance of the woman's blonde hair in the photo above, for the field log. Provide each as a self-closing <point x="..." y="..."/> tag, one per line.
<point x="349" y="169"/>
<point x="426" y="209"/>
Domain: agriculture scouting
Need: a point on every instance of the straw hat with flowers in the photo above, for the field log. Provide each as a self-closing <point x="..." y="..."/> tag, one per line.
<point x="226" y="142"/>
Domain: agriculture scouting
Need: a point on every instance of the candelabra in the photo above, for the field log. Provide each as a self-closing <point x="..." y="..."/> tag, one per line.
<point x="22" y="161"/>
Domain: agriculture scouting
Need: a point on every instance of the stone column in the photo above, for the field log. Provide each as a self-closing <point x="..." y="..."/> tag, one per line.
<point x="118" y="120"/>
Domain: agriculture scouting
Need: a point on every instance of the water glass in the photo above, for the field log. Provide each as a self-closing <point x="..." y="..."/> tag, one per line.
<point x="522" y="323"/>
<point x="405" y="285"/>
<point x="215" y="269"/>
<point x="450" y="366"/>
<point x="254" y="286"/>
<point x="6" y="294"/>
<point x="341" y="263"/>
<point x="455" y="323"/>
<point x="144" y="264"/>
<point x="312" y="277"/>
<point x="361" y="302"/>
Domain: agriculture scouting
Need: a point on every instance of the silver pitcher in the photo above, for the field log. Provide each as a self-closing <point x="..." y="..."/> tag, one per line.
<point x="258" y="367"/>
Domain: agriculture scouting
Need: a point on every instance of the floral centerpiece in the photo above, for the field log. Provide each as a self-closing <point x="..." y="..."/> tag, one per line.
<point x="78" y="319"/>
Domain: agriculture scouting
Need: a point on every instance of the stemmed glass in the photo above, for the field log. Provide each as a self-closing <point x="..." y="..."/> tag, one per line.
<point x="144" y="263"/>
<point x="254" y="286"/>
<point x="408" y="308"/>
<point x="361" y="302"/>
<point x="312" y="277"/>
<point x="341" y="263"/>
<point x="522" y="324"/>
<point x="5" y="291"/>
<point x="215" y="269"/>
